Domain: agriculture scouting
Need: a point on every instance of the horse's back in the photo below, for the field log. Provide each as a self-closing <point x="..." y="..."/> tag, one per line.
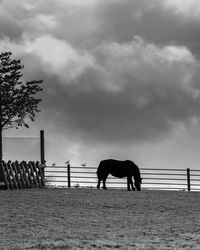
<point x="105" y="166"/>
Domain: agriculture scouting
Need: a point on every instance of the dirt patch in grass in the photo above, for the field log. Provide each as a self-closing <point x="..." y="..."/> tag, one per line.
<point x="99" y="219"/>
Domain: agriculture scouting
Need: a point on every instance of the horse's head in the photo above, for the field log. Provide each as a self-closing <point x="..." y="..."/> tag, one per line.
<point x="138" y="183"/>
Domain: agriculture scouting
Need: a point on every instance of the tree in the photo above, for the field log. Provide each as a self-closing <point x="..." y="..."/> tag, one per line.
<point x="18" y="102"/>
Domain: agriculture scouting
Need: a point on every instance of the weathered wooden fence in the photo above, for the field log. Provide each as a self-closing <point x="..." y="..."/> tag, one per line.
<point x="15" y="175"/>
<point x="153" y="178"/>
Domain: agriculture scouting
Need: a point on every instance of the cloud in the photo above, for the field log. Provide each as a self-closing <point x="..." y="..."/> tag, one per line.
<point x="8" y="26"/>
<point x="59" y="57"/>
<point x="87" y="24"/>
<point x="189" y="9"/>
<point x="116" y="92"/>
<point x="54" y="55"/>
<point x="77" y="3"/>
<point x="141" y="62"/>
<point x="135" y="92"/>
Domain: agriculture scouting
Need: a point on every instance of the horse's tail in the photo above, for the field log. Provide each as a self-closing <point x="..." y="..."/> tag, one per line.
<point x="99" y="169"/>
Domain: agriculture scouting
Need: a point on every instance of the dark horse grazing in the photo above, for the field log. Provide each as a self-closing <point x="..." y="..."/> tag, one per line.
<point x="119" y="169"/>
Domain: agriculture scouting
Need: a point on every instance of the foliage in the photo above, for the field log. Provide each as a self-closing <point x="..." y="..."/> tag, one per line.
<point x="18" y="101"/>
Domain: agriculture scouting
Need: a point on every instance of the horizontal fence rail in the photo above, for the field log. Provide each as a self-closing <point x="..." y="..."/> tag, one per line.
<point x="153" y="178"/>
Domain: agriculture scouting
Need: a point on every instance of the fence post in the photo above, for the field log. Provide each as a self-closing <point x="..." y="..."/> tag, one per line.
<point x="42" y="153"/>
<point x="68" y="175"/>
<point x="188" y="179"/>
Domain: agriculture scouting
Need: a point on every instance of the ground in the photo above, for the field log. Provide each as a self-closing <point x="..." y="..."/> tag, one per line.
<point x="99" y="219"/>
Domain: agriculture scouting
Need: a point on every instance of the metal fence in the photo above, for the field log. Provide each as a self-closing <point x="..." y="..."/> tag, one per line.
<point x="153" y="178"/>
<point x="21" y="148"/>
<point x="24" y="148"/>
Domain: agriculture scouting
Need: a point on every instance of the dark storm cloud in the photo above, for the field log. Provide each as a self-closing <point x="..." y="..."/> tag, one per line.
<point x="8" y="26"/>
<point x="163" y="27"/>
<point x="135" y="92"/>
<point x="113" y="70"/>
<point x="150" y="20"/>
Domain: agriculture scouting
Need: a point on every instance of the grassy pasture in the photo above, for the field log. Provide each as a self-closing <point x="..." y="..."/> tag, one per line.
<point x="99" y="219"/>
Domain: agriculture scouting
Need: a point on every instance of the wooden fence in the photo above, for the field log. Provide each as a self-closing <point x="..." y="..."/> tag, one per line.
<point x="15" y="175"/>
<point x="153" y="178"/>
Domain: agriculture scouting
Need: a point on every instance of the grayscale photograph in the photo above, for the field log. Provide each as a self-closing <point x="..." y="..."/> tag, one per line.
<point x="99" y="124"/>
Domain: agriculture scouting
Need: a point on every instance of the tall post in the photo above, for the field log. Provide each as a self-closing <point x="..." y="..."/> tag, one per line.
<point x="1" y="127"/>
<point x="1" y="145"/>
<point x="42" y="153"/>
<point x="68" y="175"/>
<point x="188" y="179"/>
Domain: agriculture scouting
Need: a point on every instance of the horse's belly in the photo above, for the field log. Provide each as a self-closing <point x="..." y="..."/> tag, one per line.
<point x="118" y="175"/>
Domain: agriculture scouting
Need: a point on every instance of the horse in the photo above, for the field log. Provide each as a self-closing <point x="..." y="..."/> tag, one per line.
<point x="119" y="169"/>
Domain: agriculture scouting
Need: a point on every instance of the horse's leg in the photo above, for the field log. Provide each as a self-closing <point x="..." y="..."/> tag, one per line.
<point x="104" y="182"/>
<point x="128" y="183"/>
<point x="132" y="186"/>
<point x="99" y="182"/>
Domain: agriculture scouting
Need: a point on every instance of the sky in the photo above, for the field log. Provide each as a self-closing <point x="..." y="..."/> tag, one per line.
<point x="121" y="78"/>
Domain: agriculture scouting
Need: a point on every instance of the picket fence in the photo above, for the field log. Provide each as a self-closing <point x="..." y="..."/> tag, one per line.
<point x="21" y="175"/>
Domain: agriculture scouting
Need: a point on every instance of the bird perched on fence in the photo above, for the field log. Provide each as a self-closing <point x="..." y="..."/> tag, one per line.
<point x="84" y="164"/>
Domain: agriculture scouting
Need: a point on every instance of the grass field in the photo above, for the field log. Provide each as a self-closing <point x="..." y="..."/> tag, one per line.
<point x="99" y="219"/>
